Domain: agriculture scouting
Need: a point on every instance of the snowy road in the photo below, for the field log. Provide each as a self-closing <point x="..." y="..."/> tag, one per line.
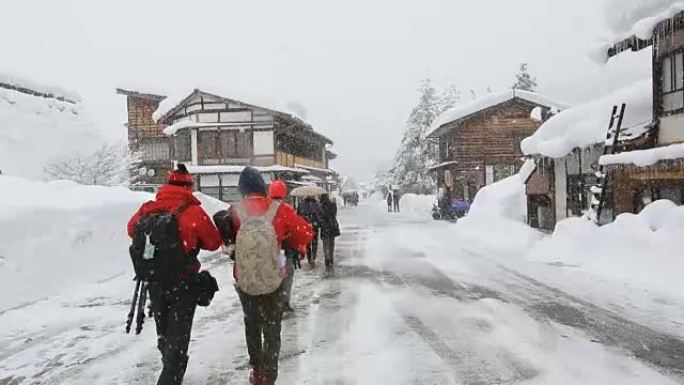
<point x="412" y="302"/>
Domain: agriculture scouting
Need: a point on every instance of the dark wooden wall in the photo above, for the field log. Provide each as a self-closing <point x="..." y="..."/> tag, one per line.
<point x="491" y="137"/>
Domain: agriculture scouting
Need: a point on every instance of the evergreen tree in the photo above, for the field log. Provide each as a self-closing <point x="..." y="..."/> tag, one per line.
<point x="524" y="81"/>
<point x="449" y="98"/>
<point x="415" y="155"/>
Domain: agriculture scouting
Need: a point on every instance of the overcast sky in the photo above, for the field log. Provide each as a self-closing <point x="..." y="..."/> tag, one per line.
<point x="354" y="65"/>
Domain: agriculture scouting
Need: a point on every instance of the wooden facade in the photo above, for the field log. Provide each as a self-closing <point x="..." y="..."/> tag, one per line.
<point x="484" y="147"/>
<point x="634" y="187"/>
<point x="146" y="137"/>
<point x="217" y="136"/>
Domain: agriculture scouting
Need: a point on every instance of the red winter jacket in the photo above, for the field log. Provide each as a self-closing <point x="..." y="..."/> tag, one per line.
<point x="289" y="227"/>
<point x="196" y="228"/>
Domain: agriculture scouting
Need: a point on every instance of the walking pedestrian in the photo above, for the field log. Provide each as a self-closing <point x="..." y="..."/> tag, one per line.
<point x="173" y="290"/>
<point x="278" y="192"/>
<point x="396" y="197"/>
<point x="259" y="227"/>
<point x="330" y="229"/>
<point x="311" y="210"/>
<point x="390" y="201"/>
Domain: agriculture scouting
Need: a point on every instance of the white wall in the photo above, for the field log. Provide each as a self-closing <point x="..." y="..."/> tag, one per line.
<point x="671" y="129"/>
<point x="263" y="143"/>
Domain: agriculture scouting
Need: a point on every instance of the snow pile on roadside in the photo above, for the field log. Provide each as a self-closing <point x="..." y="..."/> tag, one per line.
<point x="497" y="216"/>
<point x="643" y="249"/>
<point x="36" y="130"/>
<point x="587" y="124"/>
<point x="60" y="235"/>
<point x="421" y="204"/>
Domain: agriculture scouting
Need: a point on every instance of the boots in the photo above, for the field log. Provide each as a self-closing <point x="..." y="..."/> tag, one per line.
<point x="255" y="377"/>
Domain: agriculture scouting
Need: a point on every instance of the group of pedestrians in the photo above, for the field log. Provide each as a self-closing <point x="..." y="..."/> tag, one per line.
<point x="393" y="198"/>
<point x="254" y="233"/>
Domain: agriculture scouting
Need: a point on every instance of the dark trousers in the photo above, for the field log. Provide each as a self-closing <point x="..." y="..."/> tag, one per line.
<point x="389" y="207"/>
<point x="396" y="206"/>
<point x="312" y="249"/>
<point x="263" y="316"/>
<point x="173" y="309"/>
<point x="328" y="249"/>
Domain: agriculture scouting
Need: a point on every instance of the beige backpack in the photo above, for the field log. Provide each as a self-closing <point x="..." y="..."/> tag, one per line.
<point x="256" y="252"/>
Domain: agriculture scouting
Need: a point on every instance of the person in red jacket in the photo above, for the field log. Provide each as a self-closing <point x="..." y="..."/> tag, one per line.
<point x="173" y="305"/>
<point x="263" y="313"/>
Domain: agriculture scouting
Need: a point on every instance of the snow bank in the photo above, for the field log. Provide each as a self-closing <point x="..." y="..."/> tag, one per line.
<point x="60" y="235"/>
<point x="490" y="100"/>
<point x="36" y="130"/>
<point x="587" y="124"/>
<point x="643" y="158"/>
<point x="414" y="203"/>
<point x="498" y="213"/>
<point x="643" y="250"/>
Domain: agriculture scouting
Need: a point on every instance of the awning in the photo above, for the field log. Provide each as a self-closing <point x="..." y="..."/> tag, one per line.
<point x="315" y="169"/>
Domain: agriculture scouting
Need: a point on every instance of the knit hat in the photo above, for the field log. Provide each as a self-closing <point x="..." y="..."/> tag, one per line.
<point x="180" y="176"/>
<point x="277" y="190"/>
<point x="251" y="182"/>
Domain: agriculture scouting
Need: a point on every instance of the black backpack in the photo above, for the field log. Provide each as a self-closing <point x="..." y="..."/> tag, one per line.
<point x="157" y="250"/>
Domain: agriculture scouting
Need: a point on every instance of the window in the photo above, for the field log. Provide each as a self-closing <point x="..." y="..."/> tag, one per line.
<point x="236" y="144"/>
<point x="244" y="144"/>
<point x="207" y="144"/>
<point x="182" y="148"/>
<point x="673" y="82"/>
<point x="228" y="144"/>
<point x="154" y="149"/>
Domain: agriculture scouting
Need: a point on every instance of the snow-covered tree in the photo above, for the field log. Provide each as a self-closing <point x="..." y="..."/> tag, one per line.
<point x="450" y="97"/>
<point x="415" y="155"/>
<point x="524" y="81"/>
<point x="104" y="166"/>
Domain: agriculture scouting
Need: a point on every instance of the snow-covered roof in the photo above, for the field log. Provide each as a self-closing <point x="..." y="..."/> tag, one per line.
<point x="37" y="130"/>
<point x="643" y="158"/>
<point x="174" y="128"/>
<point x="639" y="17"/>
<point x="30" y="87"/>
<point x="488" y="101"/>
<point x="587" y="124"/>
<point x="175" y="99"/>
<point x="235" y="169"/>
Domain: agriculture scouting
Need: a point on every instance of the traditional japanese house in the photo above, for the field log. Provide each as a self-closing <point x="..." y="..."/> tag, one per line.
<point x="653" y="167"/>
<point x="479" y="142"/>
<point x="218" y="136"/>
<point x="563" y="154"/>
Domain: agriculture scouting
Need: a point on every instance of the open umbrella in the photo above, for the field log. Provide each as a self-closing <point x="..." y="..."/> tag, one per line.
<point x="308" y="191"/>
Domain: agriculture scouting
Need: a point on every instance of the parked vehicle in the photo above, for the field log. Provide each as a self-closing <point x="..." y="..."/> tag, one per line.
<point x="456" y="209"/>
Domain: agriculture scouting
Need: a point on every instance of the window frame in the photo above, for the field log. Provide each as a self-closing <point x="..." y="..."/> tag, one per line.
<point x="674" y="71"/>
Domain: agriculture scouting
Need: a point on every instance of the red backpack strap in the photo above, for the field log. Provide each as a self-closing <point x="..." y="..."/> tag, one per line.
<point x="183" y="207"/>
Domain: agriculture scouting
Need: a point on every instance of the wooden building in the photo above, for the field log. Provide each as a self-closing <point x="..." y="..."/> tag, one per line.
<point x="218" y="136"/>
<point x="654" y="168"/>
<point x="564" y="154"/>
<point x="479" y="142"/>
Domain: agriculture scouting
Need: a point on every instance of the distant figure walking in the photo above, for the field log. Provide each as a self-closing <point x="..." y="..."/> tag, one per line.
<point x="390" y="201"/>
<point x="330" y="229"/>
<point x="395" y="198"/>
<point x="311" y="210"/>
